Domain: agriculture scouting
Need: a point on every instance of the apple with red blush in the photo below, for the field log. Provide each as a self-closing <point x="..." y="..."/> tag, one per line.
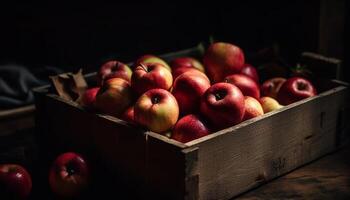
<point x="147" y="76"/>
<point x="189" y="127"/>
<point x="113" y="69"/>
<point x="271" y="87"/>
<point x="15" y="181"/>
<point x="114" y="97"/>
<point x="157" y="110"/>
<point x="253" y="108"/>
<point x="223" y="105"/>
<point x="182" y="64"/>
<point x="295" y="89"/>
<point x="149" y="58"/>
<point x="222" y="59"/>
<point x="69" y="175"/>
<point x="88" y="99"/>
<point x="128" y="115"/>
<point x="250" y="71"/>
<point x="188" y="89"/>
<point x="247" y="85"/>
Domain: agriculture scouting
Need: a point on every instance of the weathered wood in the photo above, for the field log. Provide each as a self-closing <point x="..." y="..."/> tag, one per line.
<point x="17" y="111"/>
<point x="242" y="157"/>
<point x="17" y="119"/>
<point x="326" y="178"/>
<point x="321" y="66"/>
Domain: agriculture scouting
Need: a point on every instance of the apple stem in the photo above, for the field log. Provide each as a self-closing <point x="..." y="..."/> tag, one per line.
<point x="70" y="169"/>
<point x="220" y="95"/>
<point x="116" y="65"/>
<point x="155" y="100"/>
<point x="143" y="67"/>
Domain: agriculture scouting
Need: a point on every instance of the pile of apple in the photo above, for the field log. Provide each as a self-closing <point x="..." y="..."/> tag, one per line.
<point x="186" y="99"/>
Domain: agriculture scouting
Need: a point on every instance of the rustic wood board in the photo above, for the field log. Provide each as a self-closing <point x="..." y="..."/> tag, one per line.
<point x="326" y="178"/>
<point x="17" y="119"/>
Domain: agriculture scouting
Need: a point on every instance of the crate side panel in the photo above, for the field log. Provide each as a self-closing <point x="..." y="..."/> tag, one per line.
<point x="247" y="157"/>
<point x="171" y="170"/>
<point x="113" y="144"/>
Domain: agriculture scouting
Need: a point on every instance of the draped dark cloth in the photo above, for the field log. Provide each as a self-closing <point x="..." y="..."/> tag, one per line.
<point x="17" y="82"/>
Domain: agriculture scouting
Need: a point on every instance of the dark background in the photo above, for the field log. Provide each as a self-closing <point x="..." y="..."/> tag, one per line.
<point x="83" y="35"/>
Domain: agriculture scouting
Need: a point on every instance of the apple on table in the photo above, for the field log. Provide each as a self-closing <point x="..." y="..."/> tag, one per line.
<point x="69" y="175"/>
<point x="15" y="182"/>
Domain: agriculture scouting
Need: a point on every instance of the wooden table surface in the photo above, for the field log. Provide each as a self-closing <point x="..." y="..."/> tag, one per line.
<point x="325" y="178"/>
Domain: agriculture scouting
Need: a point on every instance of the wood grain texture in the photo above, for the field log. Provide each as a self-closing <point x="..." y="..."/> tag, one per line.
<point x="242" y="157"/>
<point x="326" y="178"/>
<point x="17" y="119"/>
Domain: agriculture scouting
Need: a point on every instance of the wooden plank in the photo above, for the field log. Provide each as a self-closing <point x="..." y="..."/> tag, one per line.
<point x="332" y="28"/>
<point x="321" y="66"/>
<point x="17" y="119"/>
<point x="13" y="125"/>
<point x="5" y="114"/>
<point x="326" y="178"/>
<point x="245" y="156"/>
<point x="172" y="170"/>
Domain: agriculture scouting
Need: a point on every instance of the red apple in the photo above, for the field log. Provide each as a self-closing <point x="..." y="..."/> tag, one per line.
<point x="15" y="182"/>
<point x="271" y="87"/>
<point x="247" y="85"/>
<point x="150" y="76"/>
<point x="222" y="59"/>
<point x="113" y="69"/>
<point x="114" y="97"/>
<point x="186" y="62"/>
<point x="250" y="71"/>
<point x="189" y="127"/>
<point x="295" y="89"/>
<point x="188" y="89"/>
<point x="177" y="72"/>
<point x="148" y="58"/>
<point x="269" y="104"/>
<point x="128" y="115"/>
<point x="89" y="97"/>
<point x="156" y="109"/>
<point x="223" y="105"/>
<point x="253" y="108"/>
<point x="69" y="175"/>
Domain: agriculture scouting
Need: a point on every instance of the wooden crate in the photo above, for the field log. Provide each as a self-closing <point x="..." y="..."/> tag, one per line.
<point x="218" y="166"/>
